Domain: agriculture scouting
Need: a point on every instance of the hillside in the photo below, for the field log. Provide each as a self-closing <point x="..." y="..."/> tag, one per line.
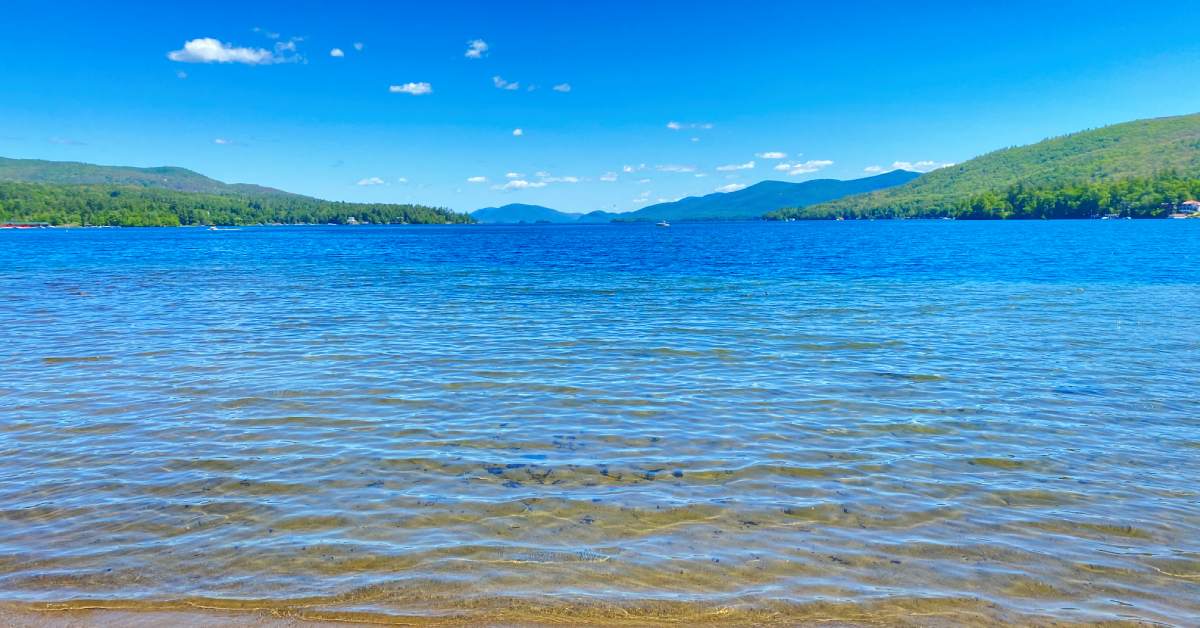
<point x="515" y="213"/>
<point x="77" y="193"/>
<point x="1146" y="163"/>
<point x="763" y="197"/>
<point x="77" y="173"/>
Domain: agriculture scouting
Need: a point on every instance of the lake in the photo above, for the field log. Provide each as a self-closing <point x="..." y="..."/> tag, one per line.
<point x="908" y="421"/>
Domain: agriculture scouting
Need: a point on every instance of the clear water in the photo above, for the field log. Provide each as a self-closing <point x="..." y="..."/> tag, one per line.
<point x="885" y="421"/>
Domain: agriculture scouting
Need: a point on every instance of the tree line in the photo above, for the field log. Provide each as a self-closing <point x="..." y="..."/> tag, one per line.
<point x="133" y="206"/>
<point x="1153" y="196"/>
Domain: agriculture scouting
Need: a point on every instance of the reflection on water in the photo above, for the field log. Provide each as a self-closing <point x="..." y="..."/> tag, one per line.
<point x="736" y="423"/>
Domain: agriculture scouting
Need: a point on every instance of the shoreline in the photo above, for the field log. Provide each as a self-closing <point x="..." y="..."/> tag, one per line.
<point x="923" y="612"/>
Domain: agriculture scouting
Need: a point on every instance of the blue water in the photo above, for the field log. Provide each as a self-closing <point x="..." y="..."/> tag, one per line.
<point x="756" y="422"/>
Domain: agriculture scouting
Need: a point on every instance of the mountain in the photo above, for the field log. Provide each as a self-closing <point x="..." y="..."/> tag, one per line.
<point x="77" y="173"/>
<point x="1148" y="164"/>
<point x="763" y="197"/>
<point x="59" y="192"/>
<point x="514" y="213"/>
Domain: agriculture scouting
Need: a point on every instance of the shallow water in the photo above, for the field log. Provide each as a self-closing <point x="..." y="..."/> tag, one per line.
<point x="884" y="421"/>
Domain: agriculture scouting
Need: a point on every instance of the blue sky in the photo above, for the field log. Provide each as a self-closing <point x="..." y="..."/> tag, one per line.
<point x="842" y="90"/>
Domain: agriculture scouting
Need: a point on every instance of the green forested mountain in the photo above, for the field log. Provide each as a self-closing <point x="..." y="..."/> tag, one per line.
<point x="76" y="193"/>
<point x="514" y="213"/>
<point x="762" y="197"/>
<point x="1136" y="168"/>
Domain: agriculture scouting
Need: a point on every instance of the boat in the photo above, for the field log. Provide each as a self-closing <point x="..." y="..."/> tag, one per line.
<point x="663" y="223"/>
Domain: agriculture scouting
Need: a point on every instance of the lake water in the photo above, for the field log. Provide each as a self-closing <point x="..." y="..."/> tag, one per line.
<point x="744" y="423"/>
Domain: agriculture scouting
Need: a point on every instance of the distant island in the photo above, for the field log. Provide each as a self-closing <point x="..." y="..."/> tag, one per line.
<point x="1140" y="169"/>
<point x="71" y="193"/>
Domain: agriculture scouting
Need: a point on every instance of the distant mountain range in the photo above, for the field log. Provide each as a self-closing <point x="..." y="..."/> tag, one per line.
<point x="1142" y="168"/>
<point x="748" y="203"/>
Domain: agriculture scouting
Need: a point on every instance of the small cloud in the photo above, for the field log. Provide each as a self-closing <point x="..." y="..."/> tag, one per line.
<point x="181" y="75"/>
<point x="695" y="139"/>
<point x="370" y="181"/>
<point x="643" y="181"/>
<point x="402" y="180"/>
<point x="679" y="126"/>
<point x="541" y="173"/>
<point x="503" y="84"/>
<point x="521" y="184"/>
<point x="223" y="142"/>
<point x="732" y="187"/>
<point x="518" y="132"/>
<point x="476" y="179"/>
<point x="771" y="154"/>
<point x="549" y="179"/>
<point x="476" y="48"/>
<point x="805" y="167"/>
<point x="608" y="177"/>
<point x="513" y="175"/>
<point x="700" y="175"/>
<point x="873" y="169"/>
<point x="562" y="87"/>
<point x="416" y="89"/>
<point x="749" y="165"/>
<point x="337" y="52"/>
<point x="358" y="45"/>
<point x="920" y="166"/>
<point x="674" y="168"/>
<point x="209" y="50"/>
<point x="66" y="141"/>
<point x="265" y="33"/>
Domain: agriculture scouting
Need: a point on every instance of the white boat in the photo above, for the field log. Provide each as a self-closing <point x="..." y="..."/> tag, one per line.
<point x="663" y="223"/>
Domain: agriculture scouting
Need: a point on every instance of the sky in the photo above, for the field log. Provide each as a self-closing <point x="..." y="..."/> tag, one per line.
<point x="574" y="105"/>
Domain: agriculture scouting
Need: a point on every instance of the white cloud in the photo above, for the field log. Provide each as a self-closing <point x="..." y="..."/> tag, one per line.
<point x="513" y="175"/>
<point x="700" y="175"/>
<point x="549" y="179"/>
<point x="695" y="139"/>
<point x="358" y="45"/>
<point x="402" y="180"/>
<point x="503" y="84"/>
<point x="521" y="184"/>
<point x="771" y="154"/>
<point x="674" y="168"/>
<point x="562" y="87"/>
<point x="337" y="52"/>
<point x="209" y="50"/>
<point x="873" y="169"/>
<point x="476" y="48"/>
<point x="678" y="126"/>
<point x="416" y="89"/>
<point x="920" y="166"/>
<point x="476" y="179"/>
<point x="222" y="141"/>
<point x="181" y="74"/>
<point x="609" y="177"/>
<point x="643" y="180"/>
<point x="732" y="187"/>
<point x="518" y="132"/>
<point x="749" y="165"/>
<point x="370" y="181"/>
<point x="266" y="33"/>
<point x="804" y="167"/>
